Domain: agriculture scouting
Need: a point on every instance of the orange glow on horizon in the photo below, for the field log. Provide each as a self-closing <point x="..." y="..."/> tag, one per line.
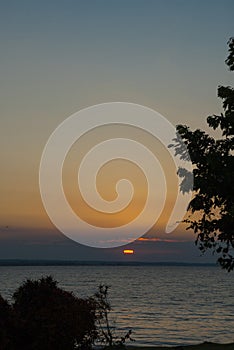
<point x="128" y="251"/>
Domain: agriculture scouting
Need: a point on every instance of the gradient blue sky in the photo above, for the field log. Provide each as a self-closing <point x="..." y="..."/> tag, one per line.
<point x="58" y="57"/>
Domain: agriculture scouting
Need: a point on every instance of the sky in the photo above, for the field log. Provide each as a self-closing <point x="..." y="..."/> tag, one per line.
<point x="58" y="57"/>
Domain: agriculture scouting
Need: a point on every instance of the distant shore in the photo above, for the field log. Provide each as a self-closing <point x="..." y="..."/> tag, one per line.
<point x="203" y="346"/>
<point x="24" y="262"/>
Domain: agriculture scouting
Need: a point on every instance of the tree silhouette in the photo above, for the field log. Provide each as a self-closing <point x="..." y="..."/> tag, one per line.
<point x="211" y="211"/>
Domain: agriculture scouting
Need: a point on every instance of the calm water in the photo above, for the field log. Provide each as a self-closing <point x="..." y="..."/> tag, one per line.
<point x="162" y="305"/>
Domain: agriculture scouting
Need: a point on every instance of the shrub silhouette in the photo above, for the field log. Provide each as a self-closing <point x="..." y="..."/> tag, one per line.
<point x="46" y="317"/>
<point x="6" y="325"/>
<point x="105" y="329"/>
<point x="50" y="318"/>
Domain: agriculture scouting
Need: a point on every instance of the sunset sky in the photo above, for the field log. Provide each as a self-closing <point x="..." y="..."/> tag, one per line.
<point x="58" y="57"/>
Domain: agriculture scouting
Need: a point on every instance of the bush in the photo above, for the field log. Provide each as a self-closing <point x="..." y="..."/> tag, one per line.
<point x="106" y="330"/>
<point x="6" y="325"/>
<point x="50" y="318"/>
<point x="46" y="317"/>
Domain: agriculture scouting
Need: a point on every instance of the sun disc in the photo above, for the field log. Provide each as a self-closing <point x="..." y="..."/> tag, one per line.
<point x="128" y="251"/>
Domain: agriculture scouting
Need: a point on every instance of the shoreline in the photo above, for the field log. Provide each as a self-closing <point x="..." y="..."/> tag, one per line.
<point x="202" y="346"/>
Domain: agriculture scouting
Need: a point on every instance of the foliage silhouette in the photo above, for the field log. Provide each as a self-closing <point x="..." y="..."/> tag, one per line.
<point x="106" y="331"/>
<point x="44" y="316"/>
<point x="211" y="211"/>
<point x="6" y="325"/>
<point x="103" y="310"/>
<point x="50" y="318"/>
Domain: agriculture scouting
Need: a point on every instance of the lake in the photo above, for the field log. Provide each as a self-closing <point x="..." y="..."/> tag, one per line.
<point x="163" y="305"/>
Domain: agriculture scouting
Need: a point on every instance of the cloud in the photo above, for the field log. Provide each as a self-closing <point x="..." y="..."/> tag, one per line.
<point x="156" y="239"/>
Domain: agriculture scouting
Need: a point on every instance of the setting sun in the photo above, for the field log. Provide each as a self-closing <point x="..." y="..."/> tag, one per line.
<point x="128" y="251"/>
